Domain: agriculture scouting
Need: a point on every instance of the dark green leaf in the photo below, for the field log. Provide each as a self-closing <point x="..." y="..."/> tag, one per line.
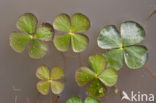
<point x="131" y="33"/>
<point x="135" y="56"/>
<point x="84" y="76"/>
<point x="91" y="100"/>
<point x="109" y="38"/>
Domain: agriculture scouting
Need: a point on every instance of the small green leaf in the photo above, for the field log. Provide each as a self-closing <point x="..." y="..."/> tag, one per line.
<point x="131" y="33"/>
<point x="19" y="41"/>
<point x="37" y="49"/>
<point x="80" y="23"/>
<point x="57" y="87"/>
<point x="57" y="73"/>
<point x="84" y="76"/>
<point x="97" y="89"/>
<point x="135" y="56"/>
<point x="62" y="23"/>
<point x="115" y="58"/>
<point x="45" y="32"/>
<point x="109" y="38"/>
<point x="27" y="23"/>
<point x="109" y="77"/>
<point x="43" y="87"/>
<point x="62" y="42"/>
<point x="43" y="72"/>
<point x="91" y="100"/>
<point x="79" y="42"/>
<point x="97" y="63"/>
<point x="74" y="99"/>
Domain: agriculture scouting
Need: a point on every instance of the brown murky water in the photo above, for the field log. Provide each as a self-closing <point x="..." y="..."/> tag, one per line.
<point x="19" y="70"/>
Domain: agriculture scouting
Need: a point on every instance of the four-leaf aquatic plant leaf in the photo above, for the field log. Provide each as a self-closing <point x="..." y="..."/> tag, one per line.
<point x="27" y="24"/>
<point x="121" y="45"/>
<point x="50" y="79"/>
<point x="72" y="32"/>
<point x="77" y="99"/>
<point x="98" y="77"/>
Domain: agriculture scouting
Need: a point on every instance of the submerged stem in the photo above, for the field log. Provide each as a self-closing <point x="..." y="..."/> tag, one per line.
<point x="150" y="72"/>
<point x="57" y="99"/>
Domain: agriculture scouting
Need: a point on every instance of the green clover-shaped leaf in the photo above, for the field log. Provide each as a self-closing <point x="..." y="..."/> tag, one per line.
<point x="77" y="99"/>
<point x="97" y="76"/>
<point x="122" y="46"/>
<point x="73" y="32"/>
<point x="50" y="79"/>
<point x="27" y="23"/>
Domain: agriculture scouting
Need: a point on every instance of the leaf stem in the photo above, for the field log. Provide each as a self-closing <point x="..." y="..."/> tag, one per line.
<point x="57" y="99"/>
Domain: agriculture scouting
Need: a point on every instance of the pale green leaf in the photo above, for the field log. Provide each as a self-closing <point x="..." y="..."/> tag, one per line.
<point x="80" y="23"/>
<point x="45" y="32"/>
<point x="43" y="72"/>
<point x="57" y="87"/>
<point x="62" y="42"/>
<point x="84" y="76"/>
<point x="43" y="87"/>
<point x="109" y="38"/>
<point x="19" y="41"/>
<point x="57" y="73"/>
<point x="62" y="23"/>
<point x="135" y="56"/>
<point x="27" y="23"/>
<point x="97" y="63"/>
<point x="37" y="49"/>
<point x="91" y="100"/>
<point x="79" y="42"/>
<point x="109" y="77"/>
<point x="74" y="99"/>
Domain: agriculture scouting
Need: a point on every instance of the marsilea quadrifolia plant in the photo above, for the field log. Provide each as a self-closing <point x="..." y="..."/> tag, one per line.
<point x="97" y="76"/>
<point x="77" y="99"/>
<point x="123" y="46"/>
<point x="72" y="32"/>
<point x="49" y="80"/>
<point x="27" y="24"/>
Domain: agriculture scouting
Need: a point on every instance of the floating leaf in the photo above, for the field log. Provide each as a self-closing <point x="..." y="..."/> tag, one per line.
<point x="62" y="23"/>
<point x="109" y="77"/>
<point x="45" y="32"/>
<point x="19" y="41"/>
<point x="79" y="42"/>
<point x="57" y="87"/>
<point x="91" y="100"/>
<point x="37" y="49"/>
<point x="62" y="42"/>
<point x="74" y="100"/>
<point x="57" y="73"/>
<point x="109" y="38"/>
<point x="97" y="89"/>
<point x="135" y="56"/>
<point x="80" y="23"/>
<point x="50" y="79"/>
<point x="84" y="76"/>
<point x="27" y="23"/>
<point x="97" y="63"/>
<point x="114" y="58"/>
<point x="77" y="99"/>
<point x="43" y="87"/>
<point x="131" y="33"/>
<point x="42" y="72"/>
